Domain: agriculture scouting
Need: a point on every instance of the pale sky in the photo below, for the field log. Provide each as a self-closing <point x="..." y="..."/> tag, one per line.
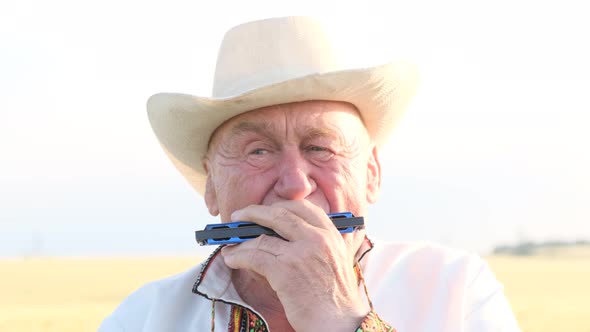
<point x="493" y="150"/>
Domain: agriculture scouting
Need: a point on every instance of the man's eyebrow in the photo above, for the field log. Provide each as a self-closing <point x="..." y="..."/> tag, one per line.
<point x="316" y="132"/>
<point x="245" y="127"/>
<point x="265" y="129"/>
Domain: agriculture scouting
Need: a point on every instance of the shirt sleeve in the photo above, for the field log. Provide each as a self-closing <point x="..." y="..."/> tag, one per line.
<point x="373" y="323"/>
<point x="110" y="324"/>
<point x="487" y="307"/>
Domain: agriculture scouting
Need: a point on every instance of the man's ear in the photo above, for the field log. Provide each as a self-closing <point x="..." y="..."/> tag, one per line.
<point x="210" y="193"/>
<point x="373" y="177"/>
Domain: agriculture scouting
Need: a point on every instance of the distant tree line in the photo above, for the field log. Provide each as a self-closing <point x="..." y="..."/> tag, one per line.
<point x="530" y="248"/>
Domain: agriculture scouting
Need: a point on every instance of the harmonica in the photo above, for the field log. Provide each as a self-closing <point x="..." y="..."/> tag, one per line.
<point x="240" y="231"/>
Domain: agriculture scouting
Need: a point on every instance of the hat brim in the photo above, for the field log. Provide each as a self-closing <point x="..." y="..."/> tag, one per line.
<point x="184" y="123"/>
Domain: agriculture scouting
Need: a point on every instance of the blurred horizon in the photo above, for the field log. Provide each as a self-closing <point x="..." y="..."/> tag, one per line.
<point x="493" y="150"/>
<point x="43" y="246"/>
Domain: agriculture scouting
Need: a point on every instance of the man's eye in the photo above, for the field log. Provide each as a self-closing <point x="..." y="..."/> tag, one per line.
<point x="315" y="148"/>
<point x="259" y="152"/>
<point x="320" y="153"/>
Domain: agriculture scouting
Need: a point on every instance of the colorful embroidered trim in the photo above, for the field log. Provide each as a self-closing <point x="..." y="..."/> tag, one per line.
<point x="244" y="320"/>
<point x="373" y="323"/>
<point x="361" y="280"/>
<point x="213" y="316"/>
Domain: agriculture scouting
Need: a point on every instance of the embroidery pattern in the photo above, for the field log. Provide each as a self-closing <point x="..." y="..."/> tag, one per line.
<point x="244" y="320"/>
<point x="204" y="268"/>
<point x="372" y="323"/>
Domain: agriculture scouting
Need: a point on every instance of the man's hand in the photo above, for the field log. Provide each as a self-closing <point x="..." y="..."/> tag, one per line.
<point x="312" y="272"/>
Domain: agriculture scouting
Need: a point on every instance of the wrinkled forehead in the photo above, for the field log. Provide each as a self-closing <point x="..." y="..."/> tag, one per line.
<point x="316" y="115"/>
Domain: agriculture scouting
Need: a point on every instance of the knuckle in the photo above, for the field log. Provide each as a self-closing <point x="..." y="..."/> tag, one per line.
<point x="324" y="247"/>
<point x="281" y="213"/>
<point x="319" y="239"/>
<point x="255" y="260"/>
<point x="263" y="242"/>
<point x="253" y="257"/>
<point x="286" y="217"/>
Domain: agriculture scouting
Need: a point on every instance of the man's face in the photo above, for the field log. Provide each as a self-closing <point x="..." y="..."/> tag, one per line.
<point x="316" y="150"/>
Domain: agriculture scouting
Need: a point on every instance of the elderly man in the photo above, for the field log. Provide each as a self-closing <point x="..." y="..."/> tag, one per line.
<point x="289" y="136"/>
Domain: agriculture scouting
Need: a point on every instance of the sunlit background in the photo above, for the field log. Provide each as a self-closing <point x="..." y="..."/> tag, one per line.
<point x="494" y="150"/>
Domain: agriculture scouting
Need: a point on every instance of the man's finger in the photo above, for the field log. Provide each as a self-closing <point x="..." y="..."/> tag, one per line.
<point x="256" y="260"/>
<point x="283" y="221"/>
<point x="307" y="211"/>
<point x="271" y="244"/>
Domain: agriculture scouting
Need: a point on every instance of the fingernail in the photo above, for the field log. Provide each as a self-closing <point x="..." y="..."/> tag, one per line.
<point x="225" y="251"/>
<point x="235" y="215"/>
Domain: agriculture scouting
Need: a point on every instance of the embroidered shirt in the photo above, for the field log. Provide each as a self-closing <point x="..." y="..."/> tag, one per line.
<point x="413" y="286"/>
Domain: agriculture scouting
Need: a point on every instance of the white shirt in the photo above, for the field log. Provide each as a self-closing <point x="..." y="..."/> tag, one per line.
<point x="414" y="287"/>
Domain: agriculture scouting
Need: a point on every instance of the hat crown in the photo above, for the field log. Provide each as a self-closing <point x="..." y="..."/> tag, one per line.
<point x="262" y="53"/>
<point x="278" y="61"/>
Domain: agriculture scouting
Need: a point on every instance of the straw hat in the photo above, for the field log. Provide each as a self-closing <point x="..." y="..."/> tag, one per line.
<point x="271" y="62"/>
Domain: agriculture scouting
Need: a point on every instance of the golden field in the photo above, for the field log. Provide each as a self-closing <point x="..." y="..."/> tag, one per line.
<point x="547" y="293"/>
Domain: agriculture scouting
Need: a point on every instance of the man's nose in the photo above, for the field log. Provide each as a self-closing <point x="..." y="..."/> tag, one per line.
<point x="294" y="181"/>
